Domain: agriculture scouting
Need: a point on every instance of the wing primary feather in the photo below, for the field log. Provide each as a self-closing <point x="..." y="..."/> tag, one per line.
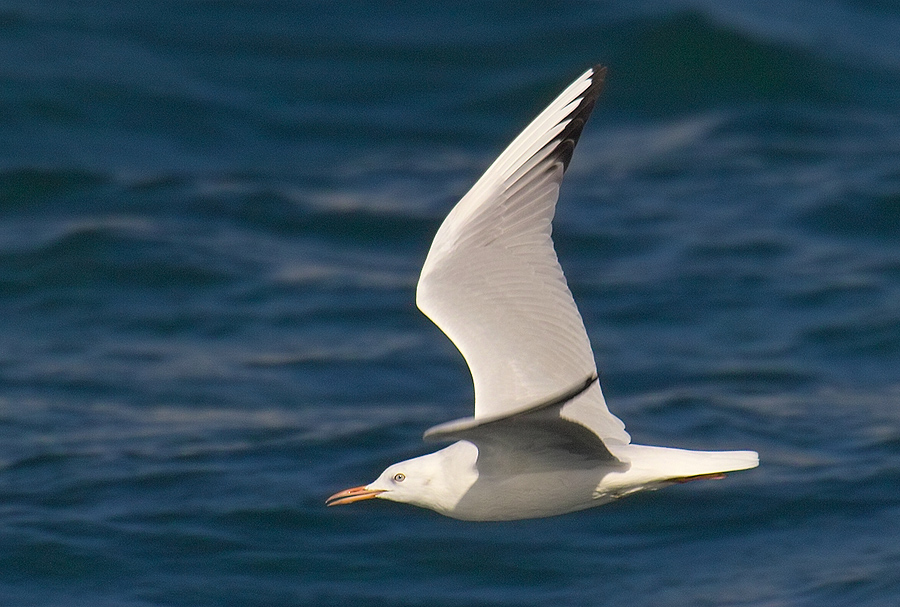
<point x="492" y="281"/>
<point x="572" y="132"/>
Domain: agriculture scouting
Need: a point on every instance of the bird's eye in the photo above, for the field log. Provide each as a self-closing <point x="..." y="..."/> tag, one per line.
<point x="399" y="477"/>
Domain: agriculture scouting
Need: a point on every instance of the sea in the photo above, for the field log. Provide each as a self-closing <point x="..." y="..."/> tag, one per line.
<point x="212" y="219"/>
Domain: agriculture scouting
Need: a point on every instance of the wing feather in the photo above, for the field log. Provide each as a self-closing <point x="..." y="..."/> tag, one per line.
<point x="493" y="284"/>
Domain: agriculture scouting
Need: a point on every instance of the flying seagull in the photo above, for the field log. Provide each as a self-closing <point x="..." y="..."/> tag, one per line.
<point x="542" y="441"/>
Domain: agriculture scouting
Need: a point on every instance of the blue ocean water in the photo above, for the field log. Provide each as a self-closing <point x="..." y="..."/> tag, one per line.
<point x="212" y="217"/>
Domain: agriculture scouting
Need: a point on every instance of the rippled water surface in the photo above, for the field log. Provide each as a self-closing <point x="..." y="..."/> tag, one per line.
<point x="212" y="218"/>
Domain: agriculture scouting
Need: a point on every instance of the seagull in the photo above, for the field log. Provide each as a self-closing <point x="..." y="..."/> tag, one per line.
<point x="542" y="441"/>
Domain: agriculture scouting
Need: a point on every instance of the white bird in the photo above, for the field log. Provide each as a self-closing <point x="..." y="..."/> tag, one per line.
<point x="542" y="441"/>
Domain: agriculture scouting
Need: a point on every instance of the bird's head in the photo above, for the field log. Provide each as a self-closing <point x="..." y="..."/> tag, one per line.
<point x="436" y="481"/>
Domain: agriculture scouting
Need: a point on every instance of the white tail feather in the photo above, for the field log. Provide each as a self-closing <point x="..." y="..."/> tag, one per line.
<point x="650" y="466"/>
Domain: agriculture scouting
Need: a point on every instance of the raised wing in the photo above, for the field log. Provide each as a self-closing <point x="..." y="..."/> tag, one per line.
<point x="493" y="284"/>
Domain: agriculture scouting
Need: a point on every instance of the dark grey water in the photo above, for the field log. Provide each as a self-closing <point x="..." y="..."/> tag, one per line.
<point x="212" y="217"/>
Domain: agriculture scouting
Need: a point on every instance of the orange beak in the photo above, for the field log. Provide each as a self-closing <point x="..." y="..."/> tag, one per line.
<point x="348" y="496"/>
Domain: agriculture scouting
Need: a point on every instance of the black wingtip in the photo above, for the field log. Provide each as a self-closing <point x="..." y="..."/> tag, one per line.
<point x="579" y="116"/>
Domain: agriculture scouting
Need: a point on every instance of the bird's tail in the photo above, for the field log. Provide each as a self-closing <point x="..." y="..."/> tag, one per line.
<point x="665" y="464"/>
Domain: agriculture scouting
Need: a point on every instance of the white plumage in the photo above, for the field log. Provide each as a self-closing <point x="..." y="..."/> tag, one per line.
<point x="542" y="441"/>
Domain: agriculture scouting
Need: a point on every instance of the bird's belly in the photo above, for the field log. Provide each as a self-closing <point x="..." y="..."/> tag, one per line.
<point x="531" y="495"/>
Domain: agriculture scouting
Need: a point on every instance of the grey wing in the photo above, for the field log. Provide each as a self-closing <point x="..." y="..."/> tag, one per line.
<point x="493" y="284"/>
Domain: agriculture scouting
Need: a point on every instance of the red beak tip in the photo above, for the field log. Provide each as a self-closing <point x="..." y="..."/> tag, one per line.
<point x="355" y="494"/>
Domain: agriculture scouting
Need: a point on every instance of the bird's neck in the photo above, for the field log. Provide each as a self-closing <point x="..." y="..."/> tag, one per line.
<point x="455" y="473"/>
